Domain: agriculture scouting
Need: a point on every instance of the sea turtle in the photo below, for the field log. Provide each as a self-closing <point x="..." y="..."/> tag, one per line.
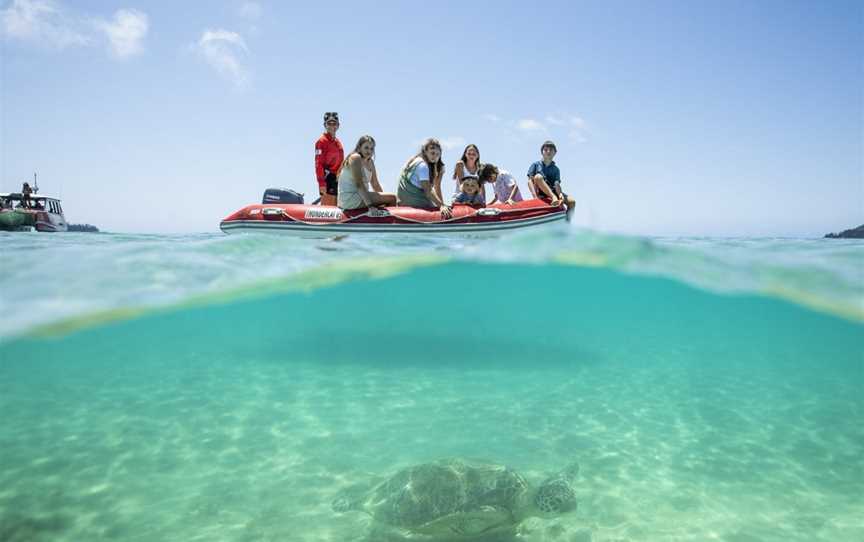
<point x="457" y="499"/>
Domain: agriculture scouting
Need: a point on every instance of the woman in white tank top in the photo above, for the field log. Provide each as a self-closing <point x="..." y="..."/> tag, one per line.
<point x="358" y="180"/>
<point x="348" y="192"/>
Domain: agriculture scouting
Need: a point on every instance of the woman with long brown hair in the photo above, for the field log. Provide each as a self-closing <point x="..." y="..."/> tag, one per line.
<point x="419" y="177"/>
<point x="358" y="179"/>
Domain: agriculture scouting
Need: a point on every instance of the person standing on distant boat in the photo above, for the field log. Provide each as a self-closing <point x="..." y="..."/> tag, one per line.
<point x="26" y="192"/>
<point x="467" y="166"/>
<point x="329" y="155"/>
<point x="358" y="180"/>
<point x="421" y="173"/>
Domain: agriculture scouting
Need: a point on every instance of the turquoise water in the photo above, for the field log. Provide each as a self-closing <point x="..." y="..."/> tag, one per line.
<point x="213" y="387"/>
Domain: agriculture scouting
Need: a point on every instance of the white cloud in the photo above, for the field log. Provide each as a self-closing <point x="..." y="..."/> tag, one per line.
<point x="577" y="137"/>
<point x="223" y="49"/>
<point x="578" y="130"/>
<point x="553" y="125"/>
<point x="250" y="10"/>
<point x="48" y="24"/>
<point x="530" y="125"/>
<point x="42" y="22"/>
<point x="449" y="143"/>
<point x="125" y="32"/>
<point x="577" y="122"/>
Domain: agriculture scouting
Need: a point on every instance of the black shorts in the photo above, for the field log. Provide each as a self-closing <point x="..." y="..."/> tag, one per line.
<point x="331" y="184"/>
<point x="552" y="186"/>
<point x="561" y="196"/>
<point x="544" y="197"/>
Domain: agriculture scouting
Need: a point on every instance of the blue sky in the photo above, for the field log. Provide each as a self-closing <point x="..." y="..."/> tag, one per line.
<point x="671" y="118"/>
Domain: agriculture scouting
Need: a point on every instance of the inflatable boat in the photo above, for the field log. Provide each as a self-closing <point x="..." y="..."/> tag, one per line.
<point x="321" y="220"/>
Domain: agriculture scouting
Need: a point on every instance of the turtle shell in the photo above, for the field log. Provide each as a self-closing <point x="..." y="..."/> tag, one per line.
<point x="420" y="495"/>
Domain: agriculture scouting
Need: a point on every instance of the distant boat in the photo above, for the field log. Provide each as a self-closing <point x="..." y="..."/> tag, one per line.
<point x="19" y="212"/>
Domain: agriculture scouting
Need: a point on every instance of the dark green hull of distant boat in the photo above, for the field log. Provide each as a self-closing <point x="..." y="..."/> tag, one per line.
<point x="13" y="220"/>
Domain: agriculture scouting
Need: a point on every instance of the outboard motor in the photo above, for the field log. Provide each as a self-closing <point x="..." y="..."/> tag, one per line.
<point x="282" y="195"/>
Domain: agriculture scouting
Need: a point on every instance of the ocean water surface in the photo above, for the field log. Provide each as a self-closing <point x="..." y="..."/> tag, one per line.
<point x="211" y="387"/>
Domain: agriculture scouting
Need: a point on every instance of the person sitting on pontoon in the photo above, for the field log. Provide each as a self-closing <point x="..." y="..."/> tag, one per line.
<point x="419" y="177"/>
<point x="358" y="180"/>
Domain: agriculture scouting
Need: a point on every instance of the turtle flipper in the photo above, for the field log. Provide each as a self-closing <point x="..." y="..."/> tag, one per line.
<point x="484" y="520"/>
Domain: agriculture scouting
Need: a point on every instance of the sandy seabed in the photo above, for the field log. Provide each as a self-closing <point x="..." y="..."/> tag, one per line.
<point x="247" y="449"/>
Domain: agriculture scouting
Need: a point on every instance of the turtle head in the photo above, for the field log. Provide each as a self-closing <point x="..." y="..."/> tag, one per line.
<point x="555" y="496"/>
<point x="348" y="500"/>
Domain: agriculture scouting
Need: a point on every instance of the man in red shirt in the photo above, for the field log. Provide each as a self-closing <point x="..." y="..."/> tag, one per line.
<point x="328" y="159"/>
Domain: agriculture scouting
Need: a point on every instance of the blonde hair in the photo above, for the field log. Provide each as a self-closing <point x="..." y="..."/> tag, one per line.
<point x="433" y="168"/>
<point x="360" y="142"/>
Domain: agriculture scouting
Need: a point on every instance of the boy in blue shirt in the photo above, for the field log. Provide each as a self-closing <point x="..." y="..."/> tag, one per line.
<point x="544" y="178"/>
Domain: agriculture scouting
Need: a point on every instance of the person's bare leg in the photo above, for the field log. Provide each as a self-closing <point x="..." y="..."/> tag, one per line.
<point x="328" y="199"/>
<point x="570" y="203"/>
<point x="384" y="198"/>
<point x="543" y="188"/>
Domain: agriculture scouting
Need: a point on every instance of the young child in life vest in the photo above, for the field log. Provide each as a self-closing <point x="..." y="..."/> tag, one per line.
<point x="469" y="191"/>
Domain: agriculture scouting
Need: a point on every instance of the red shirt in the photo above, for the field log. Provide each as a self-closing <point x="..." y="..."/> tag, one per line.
<point x="328" y="156"/>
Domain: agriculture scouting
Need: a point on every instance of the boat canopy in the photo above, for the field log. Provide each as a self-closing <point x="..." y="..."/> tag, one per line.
<point x="17" y="196"/>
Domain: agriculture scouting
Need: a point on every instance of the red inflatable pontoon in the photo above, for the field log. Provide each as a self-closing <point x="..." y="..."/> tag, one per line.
<point x="319" y="220"/>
